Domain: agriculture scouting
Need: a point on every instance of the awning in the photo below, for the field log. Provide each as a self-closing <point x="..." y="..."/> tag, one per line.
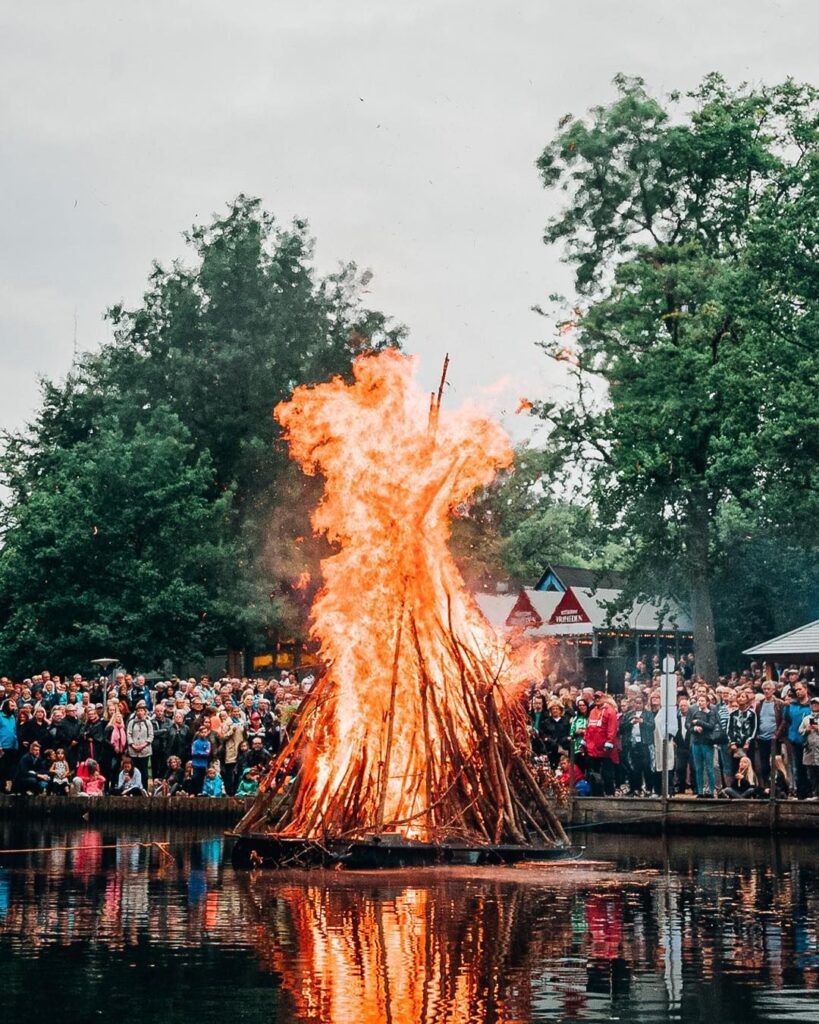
<point x="802" y="642"/>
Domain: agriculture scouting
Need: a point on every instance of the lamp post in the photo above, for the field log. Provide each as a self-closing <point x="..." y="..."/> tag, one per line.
<point x="104" y="664"/>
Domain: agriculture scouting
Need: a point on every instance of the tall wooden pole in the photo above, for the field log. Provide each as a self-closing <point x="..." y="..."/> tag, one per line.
<point x="385" y="768"/>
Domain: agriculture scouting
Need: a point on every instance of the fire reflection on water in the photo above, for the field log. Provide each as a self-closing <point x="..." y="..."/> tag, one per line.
<point x="434" y="946"/>
<point x="412" y="952"/>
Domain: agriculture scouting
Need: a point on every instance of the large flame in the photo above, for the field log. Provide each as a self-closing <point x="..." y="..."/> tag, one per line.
<point x="391" y="738"/>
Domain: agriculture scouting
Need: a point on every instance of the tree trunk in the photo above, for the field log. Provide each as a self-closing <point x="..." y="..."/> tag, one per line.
<point x="702" y="615"/>
<point x="699" y="587"/>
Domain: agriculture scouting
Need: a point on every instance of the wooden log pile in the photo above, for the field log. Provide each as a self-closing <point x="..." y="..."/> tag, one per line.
<point x="479" y="790"/>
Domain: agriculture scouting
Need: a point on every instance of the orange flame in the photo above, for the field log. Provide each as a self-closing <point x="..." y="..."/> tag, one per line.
<point x="395" y="621"/>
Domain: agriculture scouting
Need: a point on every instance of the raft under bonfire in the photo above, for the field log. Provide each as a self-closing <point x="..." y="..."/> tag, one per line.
<point x="376" y="852"/>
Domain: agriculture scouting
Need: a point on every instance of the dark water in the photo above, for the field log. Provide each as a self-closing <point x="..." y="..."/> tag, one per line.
<point x="720" y="931"/>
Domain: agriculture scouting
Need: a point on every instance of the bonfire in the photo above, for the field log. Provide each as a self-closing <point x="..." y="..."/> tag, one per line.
<point x="416" y="728"/>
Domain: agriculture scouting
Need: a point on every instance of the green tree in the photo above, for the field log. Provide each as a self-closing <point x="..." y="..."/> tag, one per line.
<point x="517" y="525"/>
<point x="693" y="237"/>
<point x="119" y="549"/>
<point x="220" y="339"/>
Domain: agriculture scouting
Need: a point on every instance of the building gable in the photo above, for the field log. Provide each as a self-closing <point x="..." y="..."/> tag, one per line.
<point x="569" y="611"/>
<point x="523" y="615"/>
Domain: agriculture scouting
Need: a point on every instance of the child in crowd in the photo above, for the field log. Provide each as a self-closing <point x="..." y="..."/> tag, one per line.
<point x="60" y="774"/>
<point x="212" y="785"/>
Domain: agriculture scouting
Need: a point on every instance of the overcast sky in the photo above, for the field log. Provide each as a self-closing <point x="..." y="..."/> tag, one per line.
<point x="405" y="133"/>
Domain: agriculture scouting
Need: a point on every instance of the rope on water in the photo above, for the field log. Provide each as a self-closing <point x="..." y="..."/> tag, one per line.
<point x="162" y="847"/>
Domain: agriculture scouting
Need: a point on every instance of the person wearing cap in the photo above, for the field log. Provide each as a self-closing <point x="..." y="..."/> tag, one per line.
<point x="255" y="728"/>
<point x="600" y="741"/>
<point x="809" y="730"/>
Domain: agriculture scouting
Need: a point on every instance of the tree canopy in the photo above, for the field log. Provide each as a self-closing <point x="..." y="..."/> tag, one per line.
<point x="518" y="524"/>
<point x="194" y="373"/>
<point x="693" y="237"/>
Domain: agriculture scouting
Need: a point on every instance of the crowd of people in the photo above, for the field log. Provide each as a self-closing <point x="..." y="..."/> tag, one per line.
<point x="177" y="737"/>
<point x="749" y="733"/>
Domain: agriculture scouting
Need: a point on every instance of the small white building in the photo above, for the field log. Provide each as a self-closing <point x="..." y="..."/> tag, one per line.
<point x="583" y="616"/>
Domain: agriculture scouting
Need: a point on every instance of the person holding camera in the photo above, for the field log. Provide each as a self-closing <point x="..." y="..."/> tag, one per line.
<point x="809" y="730"/>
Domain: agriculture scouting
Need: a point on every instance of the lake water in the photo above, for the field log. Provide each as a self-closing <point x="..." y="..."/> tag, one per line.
<point x="719" y="931"/>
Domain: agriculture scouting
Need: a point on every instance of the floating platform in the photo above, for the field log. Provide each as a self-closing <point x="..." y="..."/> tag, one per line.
<point x="263" y="850"/>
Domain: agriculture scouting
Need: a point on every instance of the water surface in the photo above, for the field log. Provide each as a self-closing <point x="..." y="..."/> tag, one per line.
<point x="722" y="930"/>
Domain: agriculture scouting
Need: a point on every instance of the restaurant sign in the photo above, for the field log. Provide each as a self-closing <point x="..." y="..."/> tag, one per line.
<point x="569" y="611"/>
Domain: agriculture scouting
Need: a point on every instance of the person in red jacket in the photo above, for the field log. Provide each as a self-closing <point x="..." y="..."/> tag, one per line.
<point x="601" y="740"/>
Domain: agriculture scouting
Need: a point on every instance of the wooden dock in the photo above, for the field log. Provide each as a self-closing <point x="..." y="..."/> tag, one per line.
<point x="185" y="812"/>
<point x="684" y="815"/>
<point x="603" y="814"/>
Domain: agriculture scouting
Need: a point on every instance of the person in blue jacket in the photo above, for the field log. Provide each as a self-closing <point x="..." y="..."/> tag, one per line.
<point x="200" y="757"/>
<point x="792" y="715"/>
<point x="9" y="745"/>
<point x="213" y="785"/>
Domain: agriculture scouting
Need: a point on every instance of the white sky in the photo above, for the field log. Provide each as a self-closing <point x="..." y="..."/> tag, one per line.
<point x="405" y="133"/>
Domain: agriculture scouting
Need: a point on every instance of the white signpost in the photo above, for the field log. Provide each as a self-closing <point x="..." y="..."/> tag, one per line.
<point x="667" y="718"/>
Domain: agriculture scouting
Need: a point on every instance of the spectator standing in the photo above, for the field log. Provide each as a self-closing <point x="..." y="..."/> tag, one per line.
<point x="200" y="757"/>
<point x="742" y="727"/>
<point x="35" y="730"/>
<point x="555" y="733"/>
<point x="769" y="720"/>
<point x="577" y="731"/>
<point x="724" y="707"/>
<point x="233" y="734"/>
<point x="92" y="739"/>
<point x="809" y="730"/>
<point x="159" y="756"/>
<point x="9" y="743"/>
<point x="702" y="724"/>
<point x="67" y="735"/>
<point x="177" y="739"/>
<point x="117" y="740"/>
<point x="792" y="715"/>
<point x="600" y="741"/>
<point x="140" y="733"/>
<point x="637" y="744"/>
